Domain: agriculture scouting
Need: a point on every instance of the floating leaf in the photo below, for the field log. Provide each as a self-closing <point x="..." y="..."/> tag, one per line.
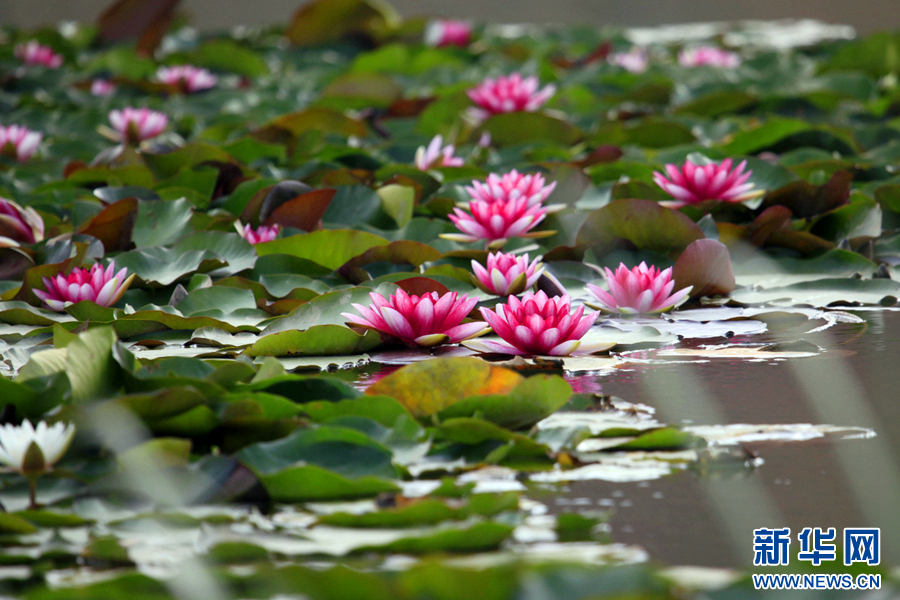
<point x="528" y="127"/>
<point x="330" y="248"/>
<point x="318" y="340"/>
<point x="641" y="224"/>
<point x="321" y="21"/>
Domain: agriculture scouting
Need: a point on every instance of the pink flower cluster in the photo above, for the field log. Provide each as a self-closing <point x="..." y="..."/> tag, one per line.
<point x="695" y="183"/>
<point x="102" y="87"/>
<point x="33" y="53"/>
<point x="187" y="78"/>
<point x="710" y="56"/>
<point x="447" y="32"/>
<point x="635" y="60"/>
<point x="19" y="142"/>
<point x="102" y="286"/>
<point x="19" y="225"/>
<point x="419" y="321"/>
<point x="509" y="94"/>
<point x="135" y="125"/>
<point x="536" y="324"/>
<point x="502" y="207"/>
<point x="641" y="290"/>
<point x="436" y="156"/>
<point x="507" y="274"/>
<point x="256" y="236"/>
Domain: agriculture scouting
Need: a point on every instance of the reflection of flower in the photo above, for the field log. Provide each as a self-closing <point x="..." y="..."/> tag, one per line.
<point x="506" y="274"/>
<point x="426" y="320"/>
<point x="537" y="324"/>
<point x="256" y="236"/>
<point x="34" y="53"/>
<point x="447" y="32"/>
<point x="33" y="450"/>
<point x="512" y="186"/>
<point x="138" y="124"/>
<point x="19" y="142"/>
<point x="495" y="222"/>
<point x="435" y="156"/>
<point x="19" y="225"/>
<point x="635" y="60"/>
<point x="641" y="290"/>
<point x="696" y="183"/>
<point x="187" y="78"/>
<point x="709" y="55"/>
<point x="102" y="87"/>
<point x="509" y="94"/>
<point x="102" y="286"/>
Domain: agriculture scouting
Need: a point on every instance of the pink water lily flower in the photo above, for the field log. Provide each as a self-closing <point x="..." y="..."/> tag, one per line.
<point x="695" y="183"/>
<point x="641" y="290"/>
<point x="19" y="142"/>
<point x="19" y="225"/>
<point x="709" y="55"/>
<point x="512" y="186"/>
<point x="634" y="61"/>
<point x="102" y="286"/>
<point x="536" y="324"/>
<point x="135" y="125"/>
<point x="102" y="87"/>
<point x="187" y="78"/>
<point x="256" y="236"/>
<point x="33" y="53"/>
<point x="507" y="274"/>
<point x="447" y="32"/>
<point x="496" y="222"/>
<point x="426" y="320"/>
<point x="436" y="156"/>
<point x="509" y="94"/>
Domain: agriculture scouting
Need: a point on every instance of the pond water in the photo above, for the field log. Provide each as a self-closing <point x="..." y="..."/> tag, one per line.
<point x="705" y="516"/>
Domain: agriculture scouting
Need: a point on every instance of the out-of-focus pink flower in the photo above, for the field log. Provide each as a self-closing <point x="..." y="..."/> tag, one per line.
<point x="135" y="125"/>
<point x="426" y="320"/>
<point x="19" y="142"/>
<point x="495" y="222"/>
<point x="507" y="274"/>
<point x="102" y="87"/>
<point x="536" y="324"/>
<point x="102" y="286"/>
<point x="447" y="32"/>
<point x="695" y="183"/>
<point x="709" y="55"/>
<point x="19" y="225"/>
<point x="436" y="156"/>
<point x="33" y="53"/>
<point x="509" y="94"/>
<point x="512" y="186"/>
<point x="635" y="60"/>
<point x="187" y="78"/>
<point x="641" y="290"/>
<point x="256" y="236"/>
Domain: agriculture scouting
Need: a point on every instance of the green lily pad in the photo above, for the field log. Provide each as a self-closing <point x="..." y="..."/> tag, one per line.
<point x="330" y="248"/>
<point x="481" y="537"/>
<point x="318" y="340"/>
<point x="529" y="127"/>
<point x="640" y="224"/>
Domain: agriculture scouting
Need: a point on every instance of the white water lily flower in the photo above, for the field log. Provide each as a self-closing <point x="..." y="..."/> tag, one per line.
<point x="33" y="450"/>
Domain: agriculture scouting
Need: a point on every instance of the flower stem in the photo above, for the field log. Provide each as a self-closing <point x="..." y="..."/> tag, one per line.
<point x="32" y="493"/>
